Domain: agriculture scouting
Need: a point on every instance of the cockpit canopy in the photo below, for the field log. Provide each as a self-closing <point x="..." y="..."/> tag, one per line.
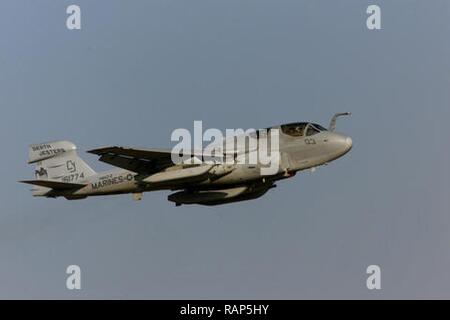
<point x="300" y="129"/>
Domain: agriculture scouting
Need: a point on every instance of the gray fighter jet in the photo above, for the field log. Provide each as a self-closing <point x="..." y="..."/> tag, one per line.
<point x="60" y="172"/>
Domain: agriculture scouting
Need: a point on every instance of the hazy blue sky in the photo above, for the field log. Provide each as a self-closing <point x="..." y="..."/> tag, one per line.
<point x="139" y="69"/>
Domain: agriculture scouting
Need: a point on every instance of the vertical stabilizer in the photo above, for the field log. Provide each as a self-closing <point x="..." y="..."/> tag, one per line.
<point x="57" y="161"/>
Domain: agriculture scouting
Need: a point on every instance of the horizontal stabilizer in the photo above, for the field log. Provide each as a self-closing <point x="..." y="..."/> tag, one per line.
<point x="57" y="185"/>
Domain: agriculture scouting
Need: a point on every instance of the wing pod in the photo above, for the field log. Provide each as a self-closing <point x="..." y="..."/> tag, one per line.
<point x="194" y="174"/>
<point x="222" y="196"/>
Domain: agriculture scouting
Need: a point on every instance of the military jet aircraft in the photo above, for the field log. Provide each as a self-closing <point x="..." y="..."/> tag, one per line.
<point x="60" y="172"/>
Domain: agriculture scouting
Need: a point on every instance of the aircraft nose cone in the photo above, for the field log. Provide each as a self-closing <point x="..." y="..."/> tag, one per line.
<point x="349" y="142"/>
<point x="339" y="144"/>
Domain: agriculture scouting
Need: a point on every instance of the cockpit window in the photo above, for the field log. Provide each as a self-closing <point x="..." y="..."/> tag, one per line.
<point x="294" y="129"/>
<point x="319" y="127"/>
<point x="311" y="130"/>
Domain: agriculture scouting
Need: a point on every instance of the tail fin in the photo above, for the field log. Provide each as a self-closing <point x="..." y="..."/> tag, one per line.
<point x="57" y="161"/>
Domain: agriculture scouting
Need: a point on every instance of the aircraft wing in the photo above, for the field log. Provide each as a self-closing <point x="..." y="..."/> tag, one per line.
<point x="57" y="185"/>
<point x="137" y="160"/>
